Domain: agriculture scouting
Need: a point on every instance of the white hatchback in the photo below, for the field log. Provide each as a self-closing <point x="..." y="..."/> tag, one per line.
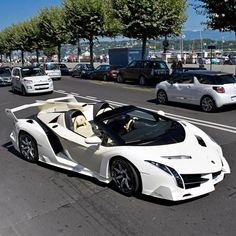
<point x="30" y="80"/>
<point x="208" y="89"/>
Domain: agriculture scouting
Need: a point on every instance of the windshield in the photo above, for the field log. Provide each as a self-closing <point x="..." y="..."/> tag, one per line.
<point x="29" y="72"/>
<point x="140" y="127"/>
<point x="5" y="72"/>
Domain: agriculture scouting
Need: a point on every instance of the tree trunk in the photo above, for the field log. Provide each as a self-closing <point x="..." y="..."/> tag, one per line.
<point x="78" y="50"/>
<point x="22" y="58"/>
<point x="91" y="50"/>
<point x="10" y="57"/>
<point x="59" y="52"/>
<point x="144" y="43"/>
<point x="37" y="55"/>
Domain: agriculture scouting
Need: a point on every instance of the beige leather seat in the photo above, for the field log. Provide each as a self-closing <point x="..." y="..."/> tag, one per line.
<point x="82" y="126"/>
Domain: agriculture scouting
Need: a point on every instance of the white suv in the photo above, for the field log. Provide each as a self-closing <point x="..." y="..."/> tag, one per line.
<point x="29" y="80"/>
<point x="209" y="89"/>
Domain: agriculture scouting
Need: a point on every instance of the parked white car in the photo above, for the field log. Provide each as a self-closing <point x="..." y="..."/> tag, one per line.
<point x="30" y="80"/>
<point x="53" y="70"/>
<point x="208" y="89"/>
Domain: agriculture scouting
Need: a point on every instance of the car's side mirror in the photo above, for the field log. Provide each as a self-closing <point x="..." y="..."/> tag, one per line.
<point x="93" y="140"/>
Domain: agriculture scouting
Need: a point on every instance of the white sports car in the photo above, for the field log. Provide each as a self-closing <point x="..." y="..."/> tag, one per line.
<point x="139" y="150"/>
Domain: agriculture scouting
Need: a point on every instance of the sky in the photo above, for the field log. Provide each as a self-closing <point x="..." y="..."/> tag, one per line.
<point x="16" y="11"/>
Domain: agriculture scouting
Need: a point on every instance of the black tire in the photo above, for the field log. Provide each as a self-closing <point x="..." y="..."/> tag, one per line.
<point x="208" y="104"/>
<point x="162" y="97"/>
<point x="124" y="177"/>
<point x="24" y="93"/>
<point x="13" y="89"/>
<point x="105" y="78"/>
<point x="142" y="80"/>
<point x="120" y="79"/>
<point x="28" y="147"/>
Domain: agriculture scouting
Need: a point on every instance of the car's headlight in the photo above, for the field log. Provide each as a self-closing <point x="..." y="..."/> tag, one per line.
<point x="28" y="81"/>
<point x="177" y="157"/>
<point x="49" y="80"/>
<point x="170" y="171"/>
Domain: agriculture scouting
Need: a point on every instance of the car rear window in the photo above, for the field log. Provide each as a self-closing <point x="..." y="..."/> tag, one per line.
<point x="218" y="80"/>
<point x="52" y="66"/>
<point x="156" y="65"/>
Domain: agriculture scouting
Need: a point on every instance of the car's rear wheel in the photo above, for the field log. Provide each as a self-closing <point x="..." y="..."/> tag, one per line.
<point x="162" y="97"/>
<point x="208" y="104"/>
<point x="124" y="176"/>
<point x="28" y="147"/>
<point x="142" y="80"/>
<point x="120" y="78"/>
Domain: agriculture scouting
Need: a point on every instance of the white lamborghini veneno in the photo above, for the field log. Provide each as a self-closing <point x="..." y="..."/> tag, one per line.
<point x="139" y="150"/>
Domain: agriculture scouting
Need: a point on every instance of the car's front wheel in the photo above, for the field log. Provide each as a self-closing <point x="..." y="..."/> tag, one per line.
<point x="162" y="97"/>
<point x="124" y="176"/>
<point x="28" y="147"/>
<point x="24" y="93"/>
<point x="208" y="104"/>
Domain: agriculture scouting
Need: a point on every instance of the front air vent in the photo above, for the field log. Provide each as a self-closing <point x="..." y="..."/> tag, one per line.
<point x="200" y="141"/>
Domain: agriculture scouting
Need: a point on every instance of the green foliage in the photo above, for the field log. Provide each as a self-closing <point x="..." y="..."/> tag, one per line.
<point x="221" y="15"/>
<point x="145" y="19"/>
<point x="89" y="19"/>
<point x="150" y="18"/>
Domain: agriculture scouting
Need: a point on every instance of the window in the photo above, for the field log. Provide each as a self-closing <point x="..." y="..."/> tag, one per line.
<point x="186" y="79"/>
<point x="16" y="72"/>
<point x="139" y="64"/>
<point x="132" y="64"/>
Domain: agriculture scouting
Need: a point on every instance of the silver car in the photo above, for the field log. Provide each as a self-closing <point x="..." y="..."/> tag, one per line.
<point x="5" y="76"/>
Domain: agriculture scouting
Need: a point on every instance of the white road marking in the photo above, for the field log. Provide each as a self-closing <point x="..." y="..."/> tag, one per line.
<point x="213" y="125"/>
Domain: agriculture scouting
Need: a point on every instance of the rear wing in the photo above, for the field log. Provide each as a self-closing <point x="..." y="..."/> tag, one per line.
<point x="11" y="112"/>
<point x="48" y="105"/>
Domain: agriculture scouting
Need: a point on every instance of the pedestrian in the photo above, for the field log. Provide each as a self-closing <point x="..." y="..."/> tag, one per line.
<point x="179" y="64"/>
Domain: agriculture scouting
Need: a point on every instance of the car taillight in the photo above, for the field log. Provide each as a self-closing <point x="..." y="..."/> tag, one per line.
<point x="109" y="72"/>
<point x="219" y="89"/>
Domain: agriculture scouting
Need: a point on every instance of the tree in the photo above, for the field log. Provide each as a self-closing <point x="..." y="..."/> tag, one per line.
<point x="53" y="28"/>
<point x="89" y="19"/>
<point x="221" y="15"/>
<point x="34" y="39"/>
<point x="149" y="19"/>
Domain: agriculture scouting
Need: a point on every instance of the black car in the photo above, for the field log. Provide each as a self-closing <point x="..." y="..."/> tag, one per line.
<point x="64" y="69"/>
<point x="82" y="70"/>
<point x="144" y="71"/>
<point x="105" y="72"/>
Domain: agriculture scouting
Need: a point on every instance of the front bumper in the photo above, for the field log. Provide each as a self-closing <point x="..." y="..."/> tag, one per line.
<point x="194" y="184"/>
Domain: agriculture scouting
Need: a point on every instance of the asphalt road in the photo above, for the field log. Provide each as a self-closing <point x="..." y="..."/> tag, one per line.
<point x="37" y="199"/>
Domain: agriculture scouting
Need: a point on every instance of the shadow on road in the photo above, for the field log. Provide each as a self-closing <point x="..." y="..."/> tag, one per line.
<point x="225" y="108"/>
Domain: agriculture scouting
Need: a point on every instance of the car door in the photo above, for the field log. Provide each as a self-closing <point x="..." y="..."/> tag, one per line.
<point x="85" y="154"/>
<point x="183" y="88"/>
<point x="128" y="71"/>
<point x="16" y="80"/>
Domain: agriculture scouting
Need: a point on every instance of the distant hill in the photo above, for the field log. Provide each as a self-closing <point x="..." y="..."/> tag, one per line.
<point x="209" y="34"/>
